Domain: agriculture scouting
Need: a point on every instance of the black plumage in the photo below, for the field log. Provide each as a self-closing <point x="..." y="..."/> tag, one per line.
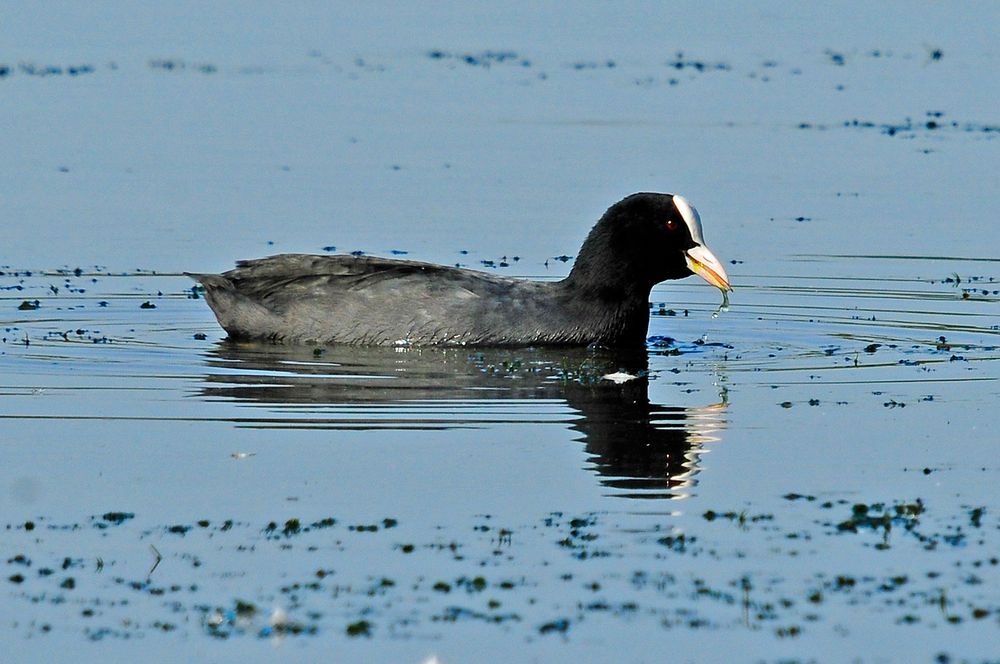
<point x="640" y="241"/>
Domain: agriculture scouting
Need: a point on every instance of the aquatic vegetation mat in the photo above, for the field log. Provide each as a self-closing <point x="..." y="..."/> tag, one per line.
<point x="803" y="568"/>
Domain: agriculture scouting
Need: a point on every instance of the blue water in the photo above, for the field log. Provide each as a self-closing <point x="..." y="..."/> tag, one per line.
<point x="843" y="159"/>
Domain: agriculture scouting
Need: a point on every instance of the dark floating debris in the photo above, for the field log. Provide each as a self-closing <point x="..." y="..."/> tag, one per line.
<point x="31" y="69"/>
<point x="359" y="628"/>
<point x="117" y="518"/>
<point x="680" y="62"/>
<point x="485" y="59"/>
<point x="243" y="618"/>
<point x="176" y="65"/>
<point x="879" y="516"/>
<point x="607" y="64"/>
<point x="479" y="585"/>
<point x="165" y="64"/>
<point x="835" y="57"/>
<point x="909" y="128"/>
<point x="741" y="518"/>
<point x="560" y="626"/>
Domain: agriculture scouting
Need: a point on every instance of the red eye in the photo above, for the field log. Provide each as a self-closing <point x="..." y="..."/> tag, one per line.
<point x="671" y="225"/>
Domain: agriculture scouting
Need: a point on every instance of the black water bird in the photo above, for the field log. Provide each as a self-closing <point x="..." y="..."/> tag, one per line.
<point x="640" y="241"/>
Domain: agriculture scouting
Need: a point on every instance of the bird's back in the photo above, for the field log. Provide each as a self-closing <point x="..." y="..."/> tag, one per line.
<point x="375" y="301"/>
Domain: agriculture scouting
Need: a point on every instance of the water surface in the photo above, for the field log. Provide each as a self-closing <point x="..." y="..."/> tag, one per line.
<point x="809" y="475"/>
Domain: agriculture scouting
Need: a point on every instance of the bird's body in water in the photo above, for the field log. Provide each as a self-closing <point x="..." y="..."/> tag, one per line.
<point x="299" y="298"/>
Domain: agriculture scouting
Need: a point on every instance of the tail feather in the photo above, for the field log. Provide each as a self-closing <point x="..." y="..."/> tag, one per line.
<point x="211" y="280"/>
<point x="239" y="315"/>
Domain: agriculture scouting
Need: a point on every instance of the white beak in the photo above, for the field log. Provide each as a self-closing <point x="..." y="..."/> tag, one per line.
<point x="703" y="262"/>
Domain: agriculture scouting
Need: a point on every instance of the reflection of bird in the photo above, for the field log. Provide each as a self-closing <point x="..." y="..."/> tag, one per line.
<point x="639" y="242"/>
<point x="639" y="449"/>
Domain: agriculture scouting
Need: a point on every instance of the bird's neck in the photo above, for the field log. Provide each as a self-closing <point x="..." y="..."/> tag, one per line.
<point x="619" y="311"/>
<point x="607" y="288"/>
<point x="605" y="273"/>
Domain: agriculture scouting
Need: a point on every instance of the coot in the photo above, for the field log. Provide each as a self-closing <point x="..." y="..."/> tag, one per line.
<point x="640" y="241"/>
